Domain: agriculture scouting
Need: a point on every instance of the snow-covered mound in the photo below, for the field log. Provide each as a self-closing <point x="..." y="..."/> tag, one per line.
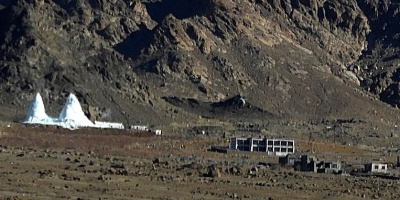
<point x="37" y="113"/>
<point x="72" y="115"/>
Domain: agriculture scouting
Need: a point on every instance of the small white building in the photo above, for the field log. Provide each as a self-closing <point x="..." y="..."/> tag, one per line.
<point x="158" y="132"/>
<point x="376" y="168"/>
<point x="139" y="128"/>
<point x="112" y="125"/>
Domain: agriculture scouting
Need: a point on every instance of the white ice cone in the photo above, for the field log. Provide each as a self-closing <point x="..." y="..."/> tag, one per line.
<point x="36" y="112"/>
<point x="72" y="114"/>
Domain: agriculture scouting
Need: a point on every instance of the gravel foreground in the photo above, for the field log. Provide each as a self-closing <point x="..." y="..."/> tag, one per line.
<point x="69" y="165"/>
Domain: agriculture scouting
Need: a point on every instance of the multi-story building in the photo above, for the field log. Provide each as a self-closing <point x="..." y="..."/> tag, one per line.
<point x="279" y="147"/>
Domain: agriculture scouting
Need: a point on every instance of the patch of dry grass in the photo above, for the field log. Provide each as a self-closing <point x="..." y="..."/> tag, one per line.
<point x="101" y="141"/>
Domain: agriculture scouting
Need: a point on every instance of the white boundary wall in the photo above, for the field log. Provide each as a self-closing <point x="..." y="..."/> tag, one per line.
<point x="112" y="125"/>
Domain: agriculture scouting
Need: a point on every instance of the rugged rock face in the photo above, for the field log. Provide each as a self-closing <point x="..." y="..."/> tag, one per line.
<point x="378" y="67"/>
<point x="290" y="58"/>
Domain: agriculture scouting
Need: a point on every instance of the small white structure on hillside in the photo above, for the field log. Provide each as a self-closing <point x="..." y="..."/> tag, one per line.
<point x="108" y="125"/>
<point x="376" y="168"/>
<point x="158" y="132"/>
<point x="139" y="128"/>
<point x="71" y="116"/>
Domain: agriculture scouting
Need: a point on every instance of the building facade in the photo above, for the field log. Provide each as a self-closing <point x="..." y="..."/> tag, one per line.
<point x="279" y="147"/>
<point x="376" y="168"/>
<point x="308" y="163"/>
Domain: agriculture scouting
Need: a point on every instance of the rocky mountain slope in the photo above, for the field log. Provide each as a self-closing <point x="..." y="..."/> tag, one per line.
<point x="303" y="59"/>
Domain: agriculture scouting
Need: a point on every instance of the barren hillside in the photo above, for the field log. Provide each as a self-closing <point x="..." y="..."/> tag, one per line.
<point x="289" y="59"/>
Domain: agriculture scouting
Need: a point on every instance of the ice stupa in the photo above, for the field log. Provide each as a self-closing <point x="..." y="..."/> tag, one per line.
<point x="37" y="113"/>
<point x="72" y="115"/>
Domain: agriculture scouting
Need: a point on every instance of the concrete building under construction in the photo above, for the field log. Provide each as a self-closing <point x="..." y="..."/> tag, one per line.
<point x="308" y="163"/>
<point x="279" y="147"/>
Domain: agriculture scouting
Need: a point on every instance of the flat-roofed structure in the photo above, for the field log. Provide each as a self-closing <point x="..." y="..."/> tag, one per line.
<point x="376" y="168"/>
<point x="279" y="147"/>
<point x="111" y="125"/>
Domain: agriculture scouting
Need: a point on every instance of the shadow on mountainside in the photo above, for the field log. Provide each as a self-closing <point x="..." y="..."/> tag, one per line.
<point x="181" y="9"/>
<point x="132" y="46"/>
<point x="233" y="108"/>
